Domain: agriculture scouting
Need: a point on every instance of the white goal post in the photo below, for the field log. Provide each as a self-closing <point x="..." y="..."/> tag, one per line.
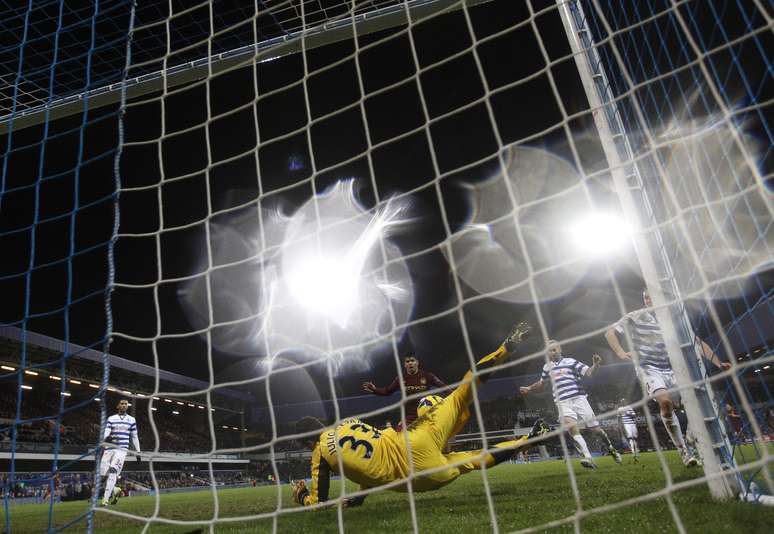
<point x="697" y="396"/>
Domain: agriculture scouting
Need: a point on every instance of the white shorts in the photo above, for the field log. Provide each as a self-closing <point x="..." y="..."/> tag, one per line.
<point x="112" y="458"/>
<point x="655" y="380"/>
<point x="578" y="408"/>
<point x="630" y="430"/>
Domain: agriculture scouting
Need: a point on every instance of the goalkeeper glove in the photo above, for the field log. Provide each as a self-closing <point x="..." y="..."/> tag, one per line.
<point x="517" y="334"/>
<point x="300" y="491"/>
<point x="354" y="501"/>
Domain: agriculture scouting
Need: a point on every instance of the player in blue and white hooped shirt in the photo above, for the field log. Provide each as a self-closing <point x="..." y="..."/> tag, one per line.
<point x="628" y="418"/>
<point x="649" y="354"/>
<point x="119" y="430"/>
<point x="565" y="376"/>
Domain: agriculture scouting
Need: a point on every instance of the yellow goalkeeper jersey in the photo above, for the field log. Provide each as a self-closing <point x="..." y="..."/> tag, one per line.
<point x="369" y="456"/>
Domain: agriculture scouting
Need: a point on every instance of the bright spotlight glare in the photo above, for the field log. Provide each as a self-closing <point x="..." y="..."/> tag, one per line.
<point x="325" y="286"/>
<point x="600" y="234"/>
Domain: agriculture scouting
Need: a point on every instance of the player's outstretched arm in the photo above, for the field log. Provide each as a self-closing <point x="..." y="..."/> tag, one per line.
<point x="612" y="339"/>
<point x="711" y="357"/>
<point x="108" y="430"/>
<point x="596" y="361"/>
<point x="535" y="386"/>
<point x="387" y="390"/>
<point x="320" y="486"/>
<point x="136" y="441"/>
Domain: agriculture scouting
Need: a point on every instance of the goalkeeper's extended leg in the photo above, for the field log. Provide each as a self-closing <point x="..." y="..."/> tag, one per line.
<point x="456" y="404"/>
<point x="475" y="460"/>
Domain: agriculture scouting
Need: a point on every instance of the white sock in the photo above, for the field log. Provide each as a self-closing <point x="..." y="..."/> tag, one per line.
<point x="111" y="482"/>
<point x="672" y="425"/>
<point x="633" y="446"/>
<point x="584" y="449"/>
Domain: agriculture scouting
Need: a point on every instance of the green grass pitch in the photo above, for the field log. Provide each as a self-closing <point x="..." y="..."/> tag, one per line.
<point x="522" y="495"/>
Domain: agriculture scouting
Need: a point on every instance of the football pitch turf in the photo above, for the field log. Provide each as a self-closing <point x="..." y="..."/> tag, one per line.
<point x="522" y="496"/>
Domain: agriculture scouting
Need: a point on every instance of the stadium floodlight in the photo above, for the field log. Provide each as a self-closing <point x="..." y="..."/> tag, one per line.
<point x="25" y="386"/>
<point x="167" y="400"/>
<point x="76" y="382"/>
<point x="31" y="373"/>
<point x="7" y="368"/>
<point x="600" y="234"/>
<point x="95" y="386"/>
<point x="175" y="412"/>
<point x="330" y="262"/>
<point x="326" y="286"/>
<point x="66" y="394"/>
<point x="325" y="273"/>
<point x="54" y="377"/>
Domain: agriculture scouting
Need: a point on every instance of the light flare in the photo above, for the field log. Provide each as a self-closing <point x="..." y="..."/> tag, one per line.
<point x="326" y="280"/>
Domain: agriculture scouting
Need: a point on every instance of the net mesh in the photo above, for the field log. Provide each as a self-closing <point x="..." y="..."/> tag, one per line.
<point x="447" y="155"/>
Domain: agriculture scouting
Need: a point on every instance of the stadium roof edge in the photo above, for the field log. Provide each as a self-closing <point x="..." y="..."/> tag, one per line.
<point x="51" y="343"/>
<point x="314" y="37"/>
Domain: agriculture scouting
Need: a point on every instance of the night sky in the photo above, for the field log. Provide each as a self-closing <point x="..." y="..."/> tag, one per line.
<point x="71" y="295"/>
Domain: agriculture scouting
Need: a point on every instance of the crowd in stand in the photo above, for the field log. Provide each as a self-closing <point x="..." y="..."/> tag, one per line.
<point x="79" y="423"/>
<point x="77" y="486"/>
<point x="50" y="362"/>
<point x="38" y="486"/>
<point x="187" y="478"/>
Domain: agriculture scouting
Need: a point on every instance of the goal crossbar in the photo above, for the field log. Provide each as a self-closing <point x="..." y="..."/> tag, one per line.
<point x="314" y="37"/>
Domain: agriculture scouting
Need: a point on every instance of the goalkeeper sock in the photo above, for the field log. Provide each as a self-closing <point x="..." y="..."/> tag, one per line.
<point x="672" y="425"/>
<point x="581" y="445"/>
<point x="506" y="450"/>
<point x="633" y="446"/>
<point x="111" y="482"/>
<point x="489" y="361"/>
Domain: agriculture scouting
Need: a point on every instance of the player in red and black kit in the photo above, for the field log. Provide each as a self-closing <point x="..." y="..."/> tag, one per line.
<point x="415" y="380"/>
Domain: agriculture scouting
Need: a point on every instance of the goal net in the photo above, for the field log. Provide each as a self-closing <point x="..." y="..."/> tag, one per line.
<point x="266" y="204"/>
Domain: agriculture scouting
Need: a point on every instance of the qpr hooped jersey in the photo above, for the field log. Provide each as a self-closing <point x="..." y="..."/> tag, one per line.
<point x="121" y="428"/>
<point x="565" y="376"/>
<point x="648" y="342"/>
<point x="627" y="415"/>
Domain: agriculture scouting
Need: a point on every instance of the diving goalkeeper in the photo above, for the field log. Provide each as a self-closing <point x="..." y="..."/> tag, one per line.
<point x="372" y="457"/>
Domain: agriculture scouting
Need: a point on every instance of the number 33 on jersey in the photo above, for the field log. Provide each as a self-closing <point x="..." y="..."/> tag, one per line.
<point x="369" y="456"/>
